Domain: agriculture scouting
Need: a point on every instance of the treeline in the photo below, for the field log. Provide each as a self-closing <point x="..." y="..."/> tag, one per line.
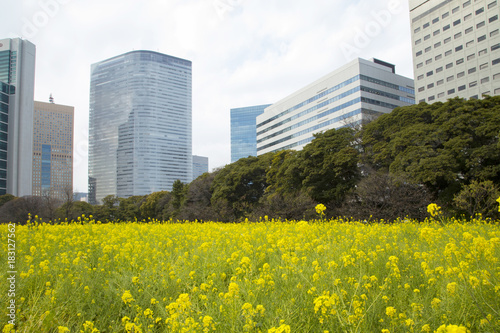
<point x="447" y="153"/>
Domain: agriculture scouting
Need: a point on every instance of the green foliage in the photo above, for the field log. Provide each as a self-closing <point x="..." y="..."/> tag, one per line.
<point x="329" y="165"/>
<point x="238" y="187"/>
<point x="478" y="198"/>
<point x="6" y="198"/>
<point x="443" y="145"/>
<point x="150" y="207"/>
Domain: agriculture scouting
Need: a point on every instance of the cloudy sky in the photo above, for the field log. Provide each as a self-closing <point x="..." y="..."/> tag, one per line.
<point x="244" y="52"/>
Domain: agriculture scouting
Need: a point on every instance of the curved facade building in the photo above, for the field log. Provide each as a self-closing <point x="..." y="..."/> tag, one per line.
<point x="140" y="137"/>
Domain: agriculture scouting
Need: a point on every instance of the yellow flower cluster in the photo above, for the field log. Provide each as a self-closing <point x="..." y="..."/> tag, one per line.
<point x="268" y="276"/>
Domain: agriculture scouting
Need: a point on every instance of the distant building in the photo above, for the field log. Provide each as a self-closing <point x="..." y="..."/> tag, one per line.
<point x="140" y="136"/>
<point x="349" y="96"/>
<point x="456" y="49"/>
<point x="80" y="196"/>
<point x="243" y="131"/>
<point x="200" y="166"/>
<point x="17" y="86"/>
<point x="53" y="150"/>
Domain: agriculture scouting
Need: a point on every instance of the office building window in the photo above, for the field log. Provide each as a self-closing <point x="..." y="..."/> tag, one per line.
<point x="436" y="20"/>
<point x="430" y="73"/>
<point x="451" y="91"/>
<point x="467" y="17"/>
<point x="431" y="85"/>
<point x="496" y="61"/>
<point x="447" y="40"/>
<point x="493" y="18"/>
<point x="426" y="37"/>
<point x="427" y="49"/>
<point x="441" y="94"/>
<point x="468" y="30"/>
<point x="440" y="82"/>
<point x="418" y="41"/>
<point x="460" y="61"/>
<point x="439" y="56"/>
<point x="484" y="66"/>
<point x="471" y="70"/>
<point x="467" y="3"/>
<point x="492" y="4"/>
<point x="480" y="39"/>
<point x="450" y="65"/>
<point x="437" y="32"/>
<point x="419" y="53"/>
<point x="421" y="89"/>
<point x="445" y="15"/>
<point x="438" y="44"/>
<point x="461" y="88"/>
<point x="455" y="10"/>
<point x="480" y="25"/>
<point x="495" y="47"/>
<point x="446" y="27"/>
<point x="482" y="52"/>
<point x="416" y="30"/>
<point x="450" y="78"/>
<point x="480" y="10"/>
<point x="494" y="33"/>
<point x="439" y="69"/>
<point x="419" y="65"/>
<point x="457" y="22"/>
<point x="458" y="35"/>
<point x="461" y="74"/>
<point x="431" y="98"/>
<point x="428" y="61"/>
<point x="420" y="77"/>
<point x="426" y="25"/>
<point x="485" y="79"/>
<point x="469" y="43"/>
<point x="473" y="84"/>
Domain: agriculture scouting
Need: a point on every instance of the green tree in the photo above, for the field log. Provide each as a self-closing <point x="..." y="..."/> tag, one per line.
<point x="442" y="145"/>
<point x="6" y="198"/>
<point x="478" y="198"/>
<point x="150" y="207"/>
<point x="329" y="165"/>
<point x="238" y="187"/>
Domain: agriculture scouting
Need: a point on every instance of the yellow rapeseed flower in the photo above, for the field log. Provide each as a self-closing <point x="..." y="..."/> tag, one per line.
<point x="433" y="209"/>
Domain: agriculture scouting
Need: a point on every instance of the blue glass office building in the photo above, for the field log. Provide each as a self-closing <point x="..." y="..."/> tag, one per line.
<point x="243" y="131"/>
<point x="140" y="137"/>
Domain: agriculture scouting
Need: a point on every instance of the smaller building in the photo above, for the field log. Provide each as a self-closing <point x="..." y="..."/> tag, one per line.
<point x="200" y="166"/>
<point x="53" y="150"/>
<point x="349" y="96"/>
<point x="243" y="131"/>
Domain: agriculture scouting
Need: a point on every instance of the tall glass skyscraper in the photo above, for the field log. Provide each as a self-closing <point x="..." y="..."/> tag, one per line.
<point x="17" y="87"/>
<point x="243" y="131"/>
<point x="140" y="137"/>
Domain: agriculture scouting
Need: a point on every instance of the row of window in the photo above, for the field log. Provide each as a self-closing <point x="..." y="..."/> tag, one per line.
<point x="459" y="47"/>
<point x="447" y="14"/>
<point x="457" y="35"/>
<point x="473" y="84"/>
<point x="461" y="61"/>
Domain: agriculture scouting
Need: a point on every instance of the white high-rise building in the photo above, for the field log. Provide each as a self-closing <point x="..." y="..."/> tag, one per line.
<point x="349" y="96"/>
<point x="17" y="88"/>
<point x="140" y="137"/>
<point x="456" y="48"/>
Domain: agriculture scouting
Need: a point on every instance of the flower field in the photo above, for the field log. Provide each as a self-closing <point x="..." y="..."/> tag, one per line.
<point x="268" y="276"/>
